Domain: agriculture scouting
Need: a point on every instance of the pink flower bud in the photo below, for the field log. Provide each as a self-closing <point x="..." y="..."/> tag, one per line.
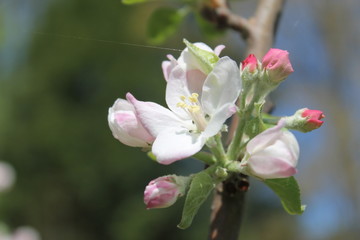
<point x="164" y="191"/>
<point x="126" y="126"/>
<point x="313" y="119"/>
<point x="273" y="153"/>
<point x="250" y="63"/>
<point x="277" y="64"/>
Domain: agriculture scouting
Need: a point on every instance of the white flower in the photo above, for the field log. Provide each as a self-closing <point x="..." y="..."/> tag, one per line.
<point x="198" y="110"/>
<point x="273" y="153"/>
<point x="125" y="125"/>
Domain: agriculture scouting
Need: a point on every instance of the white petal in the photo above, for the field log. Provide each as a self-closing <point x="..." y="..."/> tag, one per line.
<point x="168" y="66"/>
<point x="154" y="117"/>
<point x="268" y="167"/>
<point x="175" y="144"/>
<point x="176" y="87"/>
<point x="265" y="139"/>
<point x="222" y="85"/>
<point x="218" y="119"/>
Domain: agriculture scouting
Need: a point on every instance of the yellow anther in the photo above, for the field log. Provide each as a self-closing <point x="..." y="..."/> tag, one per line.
<point x="181" y="104"/>
<point x="183" y="98"/>
<point x="194" y="97"/>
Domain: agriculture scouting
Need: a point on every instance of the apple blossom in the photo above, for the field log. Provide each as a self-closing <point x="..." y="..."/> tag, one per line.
<point x="196" y="112"/>
<point x="126" y="126"/>
<point x="273" y="153"/>
<point x="277" y="65"/>
<point x="163" y="191"/>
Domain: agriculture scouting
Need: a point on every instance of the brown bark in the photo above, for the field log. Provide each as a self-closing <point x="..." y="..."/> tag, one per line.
<point x="259" y="32"/>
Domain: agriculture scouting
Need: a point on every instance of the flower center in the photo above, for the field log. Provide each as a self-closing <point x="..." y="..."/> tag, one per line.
<point x="192" y="107"/>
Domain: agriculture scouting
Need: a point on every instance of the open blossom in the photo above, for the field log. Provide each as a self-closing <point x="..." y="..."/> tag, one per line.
<point x="197" y="111"/>
<point x="277" y="64"/>
<point x="163" y="191"/>
<point x="189" y="63"/>
<point x="273" y="153"/>
<point x="126" y="126"/>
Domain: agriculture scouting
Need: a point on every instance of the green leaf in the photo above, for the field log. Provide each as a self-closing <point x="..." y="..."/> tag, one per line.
<point x="129" y="2"/>
<point x="163" y="23"/>
<point x="206" y="59"/>
<point x="288" y="191"/>
<point x="201" y="186"/>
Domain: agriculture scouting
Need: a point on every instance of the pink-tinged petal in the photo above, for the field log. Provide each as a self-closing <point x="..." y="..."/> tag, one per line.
<point x="266" y="168"/>
<point x="264" y="139"/>
<point x="126" y="127"/>
<point x="222" y="86"/>
<point x="276" y="154"/>
<point x="195" y="81"/>
<point x="161" y="192"/>
<point x="168" y="66"/>
<point x="217" y="120"/>
<point x="154" y="117"/>
<point x="218" y="49"/>
<point x="175" y="144"/>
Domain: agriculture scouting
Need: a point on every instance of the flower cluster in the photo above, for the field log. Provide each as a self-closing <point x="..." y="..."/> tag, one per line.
<point x="202" y="90"/>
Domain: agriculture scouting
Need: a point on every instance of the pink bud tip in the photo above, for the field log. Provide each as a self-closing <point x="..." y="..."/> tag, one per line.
<point x="313" y="118"/>
<point x="250" y="62"/>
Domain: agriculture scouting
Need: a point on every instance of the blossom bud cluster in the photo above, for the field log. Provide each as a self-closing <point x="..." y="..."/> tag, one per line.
<point x="201" y="94"/>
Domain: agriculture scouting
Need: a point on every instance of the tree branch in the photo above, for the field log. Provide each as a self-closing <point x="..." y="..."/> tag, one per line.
<point x="259" y="32"/>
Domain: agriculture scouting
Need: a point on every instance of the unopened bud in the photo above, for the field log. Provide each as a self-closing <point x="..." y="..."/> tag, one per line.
<point x="277" y="65"/>
<point x="305" y="120"/>
<point x="163" y="192"/>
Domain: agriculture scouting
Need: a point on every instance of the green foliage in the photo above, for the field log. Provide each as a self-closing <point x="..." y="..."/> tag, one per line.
<point x="163" y="23"/>
<point x="201" y="186"/>
<point x="289" y="193"/>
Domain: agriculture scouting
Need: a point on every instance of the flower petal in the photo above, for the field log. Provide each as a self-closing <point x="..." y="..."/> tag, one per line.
<point x="168" y="66"/>
<point x="218" y="49"/>
<point x="175" y="144"/>
<point x="218" y="119"/>
<point x="176" y="87"/>
<point x="266" y="168"/>
<point x="154" y="117"/>
<point x="265" y="138"/>
<point x="222" y="86"/>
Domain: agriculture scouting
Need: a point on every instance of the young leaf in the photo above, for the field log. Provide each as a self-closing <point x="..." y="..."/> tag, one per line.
<point x="288" y="191"/>
<point x="163" y="23"/>
<point x="207" y="59"/>
<point x="201" y="186"/>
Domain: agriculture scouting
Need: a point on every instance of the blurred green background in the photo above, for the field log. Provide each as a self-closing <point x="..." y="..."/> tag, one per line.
<point x="75" y="181"/>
